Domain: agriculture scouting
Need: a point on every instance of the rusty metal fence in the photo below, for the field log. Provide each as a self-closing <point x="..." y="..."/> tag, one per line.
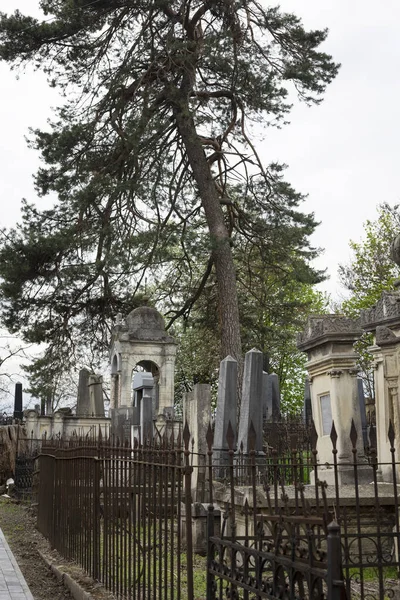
<point x="117" y="511"/>
<point x="270" y="529"/>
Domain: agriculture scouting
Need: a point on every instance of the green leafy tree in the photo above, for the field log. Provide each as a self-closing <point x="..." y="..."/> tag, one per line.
<point x="370" y="272"/>
<point x="154" y="147"/>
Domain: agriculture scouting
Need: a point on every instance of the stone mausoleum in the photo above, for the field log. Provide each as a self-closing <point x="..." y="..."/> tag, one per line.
<point x="142" y="358"/>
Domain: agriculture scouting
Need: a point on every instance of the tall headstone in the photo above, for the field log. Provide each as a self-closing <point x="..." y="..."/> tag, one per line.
<point x="83" y="403"/>
<point x="143" y="401"/>
<point x="273" y="380"/>
<point x="197" y="414"/>
<point x="96" y="395"/>
<point x="307" y="410"/>
<point x="251" y="410"/>
<point x="18" y="412"/>
<point x="266" y="398"/>
<point x="226" y="407"/>
<point x="363" y="412"/>
<point x="146" y="416"/>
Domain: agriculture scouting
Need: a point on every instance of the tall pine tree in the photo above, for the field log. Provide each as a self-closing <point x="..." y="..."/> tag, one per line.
<point x="154" y="149"/>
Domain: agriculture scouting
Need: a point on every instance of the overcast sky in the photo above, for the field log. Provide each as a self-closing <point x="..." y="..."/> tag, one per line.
<point x="344" y="153"/>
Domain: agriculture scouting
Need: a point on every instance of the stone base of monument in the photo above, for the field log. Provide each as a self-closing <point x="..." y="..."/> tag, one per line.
<point x="199" y="525"/>
<point x="345" y="475"/>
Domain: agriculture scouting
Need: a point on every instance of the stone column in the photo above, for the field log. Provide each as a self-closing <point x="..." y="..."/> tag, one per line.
<point x="125" y="382"/>
<point x="383" y="321"/>
<point x="332" y="370"/>
<point x="386" y="353"/>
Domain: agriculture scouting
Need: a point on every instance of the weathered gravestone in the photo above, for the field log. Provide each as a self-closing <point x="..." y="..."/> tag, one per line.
<point x="83" y="401"/>
<point x="226" y="410"/>
<point x="197" y="414"/>
<point x="96" y="395"/>
<point x="251" y="410"/>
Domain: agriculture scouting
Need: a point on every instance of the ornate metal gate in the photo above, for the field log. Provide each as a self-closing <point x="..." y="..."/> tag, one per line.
<point x="286" y="550"/>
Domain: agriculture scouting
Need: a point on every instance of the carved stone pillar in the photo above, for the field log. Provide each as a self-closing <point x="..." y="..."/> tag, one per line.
<point x="332" y="369"/>
<point x="383" y="320"/>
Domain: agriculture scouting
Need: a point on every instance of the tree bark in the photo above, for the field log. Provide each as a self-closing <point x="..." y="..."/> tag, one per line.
<point x="228" y="308"/>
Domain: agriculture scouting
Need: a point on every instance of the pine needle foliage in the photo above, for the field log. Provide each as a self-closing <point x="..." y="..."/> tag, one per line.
<point x="153" y="159"/>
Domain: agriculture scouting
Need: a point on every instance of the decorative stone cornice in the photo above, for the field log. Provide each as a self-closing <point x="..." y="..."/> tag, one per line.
<point x="324" y="328"/>
<point x="385" y="312"/>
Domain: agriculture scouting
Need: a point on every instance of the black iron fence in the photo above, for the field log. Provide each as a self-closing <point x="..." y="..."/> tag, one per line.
<point x="26" y="466"/>
<point x="296" y="528"/>
<point x="287" y="433"/>
<point x="117" y="511"/>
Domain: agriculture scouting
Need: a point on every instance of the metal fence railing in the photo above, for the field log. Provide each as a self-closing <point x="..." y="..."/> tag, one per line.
<point x="117" y="511"/>
<point x="272" y="527"/>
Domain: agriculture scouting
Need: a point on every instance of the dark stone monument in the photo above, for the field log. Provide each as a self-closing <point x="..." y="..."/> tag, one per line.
<point x="266" y="398"/>
<point x="18" y="412"/>
<point x="307" y="410"/>
<point x="363" y="412"/>
<point x="273" y="381"/>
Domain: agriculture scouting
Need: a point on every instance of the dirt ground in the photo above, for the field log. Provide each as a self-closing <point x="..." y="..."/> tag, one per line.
<point x="18" y="525"/>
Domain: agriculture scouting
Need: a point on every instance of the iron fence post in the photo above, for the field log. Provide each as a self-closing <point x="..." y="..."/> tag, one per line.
<point x="96" y="520"/>
<point x="210" y="553"/>
<point x="188" y="512"/>
<point x="334" y="575"/>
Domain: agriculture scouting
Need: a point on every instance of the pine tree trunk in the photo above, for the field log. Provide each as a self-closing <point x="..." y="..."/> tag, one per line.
<point x="228" y="307"/>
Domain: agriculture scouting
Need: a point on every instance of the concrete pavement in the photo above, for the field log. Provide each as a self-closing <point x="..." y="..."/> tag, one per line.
<point x="12" y="583"/>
